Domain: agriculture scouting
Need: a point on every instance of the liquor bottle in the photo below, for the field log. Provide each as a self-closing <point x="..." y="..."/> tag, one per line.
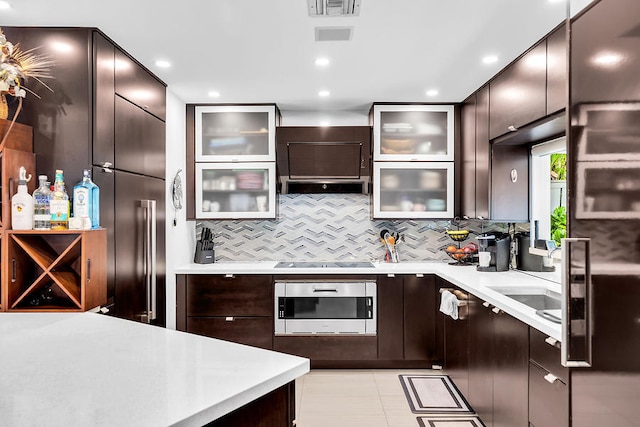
<point x="59" y="204"/>
<point x="86" y="199"/>
<point x="22" y="204"/>
<point x="41" y="214"/>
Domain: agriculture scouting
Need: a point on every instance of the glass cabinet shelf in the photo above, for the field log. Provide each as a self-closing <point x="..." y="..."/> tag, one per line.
<point x="232" y="190"/>
<point x="227" y="133"/>
<point x="413" y="190"/>
<point x="609" y="132"/>
<point x="413" y="132"/>
<point x="608" y="190"/>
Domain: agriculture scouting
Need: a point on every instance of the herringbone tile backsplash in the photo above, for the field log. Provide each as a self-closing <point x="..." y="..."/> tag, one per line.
<point x="327" y="227"/>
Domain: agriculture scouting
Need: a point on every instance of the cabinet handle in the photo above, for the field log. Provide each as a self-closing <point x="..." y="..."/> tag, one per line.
<point x="550" y="378"/>
<point x="552" y="342"/>
<point x="391" y="275"/>
<point x="577" y="304"/>
<point x="229" y="276"/>
<point x="229" y="319"/>
<point x="496" y="310"/>
<point x="486" y="304"/>
<point x="419" y="275"/>
<point x="13" y="270"/>
<point x="512" y="128"/>
<point x="88" y="270"/>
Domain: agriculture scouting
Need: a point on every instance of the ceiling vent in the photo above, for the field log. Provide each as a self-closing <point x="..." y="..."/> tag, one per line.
<point x="333" y="34"/>
<point x="333" y="8"/>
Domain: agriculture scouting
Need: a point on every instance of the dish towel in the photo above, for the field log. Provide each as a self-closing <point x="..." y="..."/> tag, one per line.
<point x="449" y="304"/>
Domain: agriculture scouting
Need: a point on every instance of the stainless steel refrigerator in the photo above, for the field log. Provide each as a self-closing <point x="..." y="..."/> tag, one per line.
<point x="601" y="271"/>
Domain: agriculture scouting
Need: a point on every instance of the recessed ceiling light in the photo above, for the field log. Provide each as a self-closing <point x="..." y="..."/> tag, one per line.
<point x="324" y="93"/>
<point x="432" y="92"/>
<point x="322" y="62"/>
<point x="163" y="64"/>
<point x="490" y="59"/>
<point x="4" y="5"/>
<point x="214" y="94"/>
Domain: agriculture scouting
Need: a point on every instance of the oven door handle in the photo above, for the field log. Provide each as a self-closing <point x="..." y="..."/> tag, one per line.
<point x="325" y="290"/>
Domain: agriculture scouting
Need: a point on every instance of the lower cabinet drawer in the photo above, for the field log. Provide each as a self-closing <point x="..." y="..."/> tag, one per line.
<point x="326" y="347"/>
<point x="253" y="331"/>
<point x="548" y="402"/>
<point x="545" y="352"/>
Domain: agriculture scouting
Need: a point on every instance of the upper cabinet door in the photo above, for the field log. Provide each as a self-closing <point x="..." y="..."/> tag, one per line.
<point x="103" y="101"/>
<point x="226" y="133"/>
<point x="413" y="190"/>
<point x="136" y="84"/>
<point x="518" y="94"/>
<point x="413" y="132"/>
<point x="557" y="71"/>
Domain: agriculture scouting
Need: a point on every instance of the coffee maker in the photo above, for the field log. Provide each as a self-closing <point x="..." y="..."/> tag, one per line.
<point x="494" y="251"/>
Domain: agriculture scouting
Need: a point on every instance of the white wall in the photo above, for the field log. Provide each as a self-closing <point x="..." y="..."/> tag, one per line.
<point x="180" y="239"/>
<point x="324" y="118"/>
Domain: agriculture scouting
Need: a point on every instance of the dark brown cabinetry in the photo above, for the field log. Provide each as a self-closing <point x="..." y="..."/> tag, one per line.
<point x="419" y="318"/>
<point x="510" y="183"/>
<point x="137" y="133"/>
<point x="518" y="94"/>
<point x="548" y="379"/>
<point x="54" y="270"/>
<point x="498" y="365"/>
<point x="456" y="341"/>
<point x="75" y="126"/>
<point x="390" y="318"/>
<point x="134" y="83"/>
<point x="407" y="320"/>
<point x="557" y="70"/>
<point x="233" y="308"/>
<point x="481" y="359"/>
<point x="475" y="155"/>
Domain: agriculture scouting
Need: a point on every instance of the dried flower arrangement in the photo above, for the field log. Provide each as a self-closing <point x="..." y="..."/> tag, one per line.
<point x="16" y="67"/>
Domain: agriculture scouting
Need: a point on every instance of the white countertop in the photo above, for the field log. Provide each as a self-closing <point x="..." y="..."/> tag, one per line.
<point x="466" y="277"/>
<point x="81" y="369"/>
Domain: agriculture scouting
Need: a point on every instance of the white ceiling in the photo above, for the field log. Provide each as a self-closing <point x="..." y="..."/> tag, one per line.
<point x="264" y="50"/>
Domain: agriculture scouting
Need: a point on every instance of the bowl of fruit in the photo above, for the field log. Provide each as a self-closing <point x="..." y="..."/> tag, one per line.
<point x="462" y="255"/>
<point x="457" y="235"/>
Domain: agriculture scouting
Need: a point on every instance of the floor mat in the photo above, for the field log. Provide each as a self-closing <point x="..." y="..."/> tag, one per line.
<point x="434" y="394"/>
<point x="449" y="422"/>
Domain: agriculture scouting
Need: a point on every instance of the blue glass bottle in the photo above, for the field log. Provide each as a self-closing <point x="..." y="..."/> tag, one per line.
<point x="86" y="199"/>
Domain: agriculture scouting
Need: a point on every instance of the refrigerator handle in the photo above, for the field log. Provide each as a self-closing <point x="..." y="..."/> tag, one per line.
<point x="150" y="258"/>
<point x="577" y="303"/>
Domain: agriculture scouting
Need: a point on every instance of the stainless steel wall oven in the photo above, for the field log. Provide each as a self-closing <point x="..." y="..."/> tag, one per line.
<point x="325" y="307"/>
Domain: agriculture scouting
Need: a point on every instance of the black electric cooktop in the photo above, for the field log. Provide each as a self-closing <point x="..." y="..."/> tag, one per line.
<point x="323" y="264"/>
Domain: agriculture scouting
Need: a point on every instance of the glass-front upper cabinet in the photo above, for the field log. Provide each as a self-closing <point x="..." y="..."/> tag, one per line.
<point x="413" y="132"/>
<point x="240" y="133"/>
<point x="232" y="190"/>
<point x="413" y="190"/>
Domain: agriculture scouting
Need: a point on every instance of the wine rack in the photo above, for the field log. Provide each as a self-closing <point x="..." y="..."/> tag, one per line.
<point x="54" y="270"/>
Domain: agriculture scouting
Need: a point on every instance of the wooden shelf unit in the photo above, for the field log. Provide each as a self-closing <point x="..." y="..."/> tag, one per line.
<point x="54" y="270"/>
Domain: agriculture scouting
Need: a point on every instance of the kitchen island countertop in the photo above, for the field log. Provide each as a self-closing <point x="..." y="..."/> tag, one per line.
<point x="479" y="283"/>
<point x="80" y="369"/>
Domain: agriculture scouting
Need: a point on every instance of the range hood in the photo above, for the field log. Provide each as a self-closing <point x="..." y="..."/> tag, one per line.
<point x="324" y="167"/>
<point x="324" y="160"/>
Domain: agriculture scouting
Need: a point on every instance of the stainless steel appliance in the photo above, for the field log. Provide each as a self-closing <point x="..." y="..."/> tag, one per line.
<point x="325" y="307"/>
<point x="601" y="258"/>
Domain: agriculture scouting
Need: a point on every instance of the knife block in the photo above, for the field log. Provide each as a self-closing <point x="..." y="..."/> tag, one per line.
<point x="203" y="256"/>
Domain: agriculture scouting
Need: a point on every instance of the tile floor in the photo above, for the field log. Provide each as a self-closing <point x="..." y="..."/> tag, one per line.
<point x="345" y="398"/>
